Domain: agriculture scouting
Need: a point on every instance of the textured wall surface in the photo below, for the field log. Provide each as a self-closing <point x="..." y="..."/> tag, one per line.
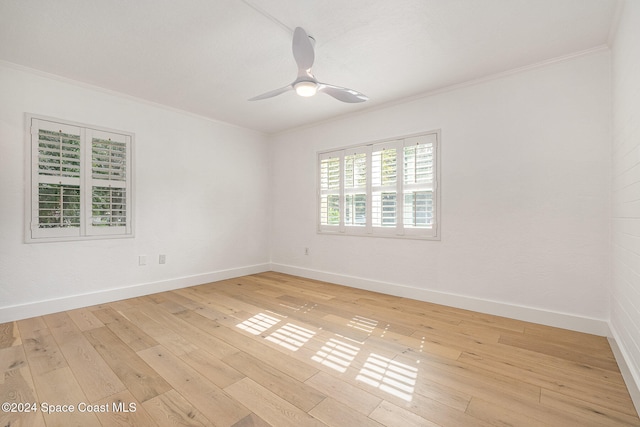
<point x="625" y="290"/>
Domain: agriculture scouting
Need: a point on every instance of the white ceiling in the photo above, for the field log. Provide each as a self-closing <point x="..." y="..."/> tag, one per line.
<point x="209" y="56"/>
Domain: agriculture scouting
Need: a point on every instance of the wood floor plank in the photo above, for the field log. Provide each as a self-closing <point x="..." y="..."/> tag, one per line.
<point x="141" y="381"/>
<point x="396" y="308"/>
<point x="171" y="409"/>
<point x="187" y="303"/>
<point x="461" y="337"/>
<point x="84" y="319"/>
<point x="495" y="323"/>
<point x="336" y="414"/>
<point x="16" y="387"/>
<point x="390" y="415"/>
<point x="588" y="411"/>
<point x="252" y="420"/>
<point x="524" y="358"/>
<point x="129" y="333"/>
<point x="566" y="352"/>
<point x="448" y="396"/>
<point x="425" y="346"/>
<point x="192" y="334"/>
<point x="91" y="371"/>
<point x="499" y="415"/>
<point x="40" y="347"/>
<point x="318" y="308"/>
<point x="307" y="314"/>
<point x="289" y="285"/>
<point x="297" y="393"/>
<point x="9" y="335"/>
<point x="444" y="406"/>
<point x="270" y="407"/>
<point x="12" y="358"/>
<point x="215" y="370"/>
<point x="473" y="381"/>
<point x="298" y="370"/>
<point x="122" y="410"/>
<point x="566" y="381"/>
<point x="170" y="339"/>
<point x="171" y="306"/>
<point x="343" y="391"/>
<point x="592" y="343"/>
<point x="199" y="293"/>
<point x="59" y="390"/>
<point x="213" y="402"/>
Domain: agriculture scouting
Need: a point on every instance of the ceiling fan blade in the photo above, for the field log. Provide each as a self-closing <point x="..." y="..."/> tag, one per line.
<point x="272" y="93"/>
<point x="302" y="50"/>
<point x="342" y="93"/>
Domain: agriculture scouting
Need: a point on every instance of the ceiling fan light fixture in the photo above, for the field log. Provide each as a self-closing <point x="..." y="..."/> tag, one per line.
<point x="306" y="88"/>
<point x="306" y="84"/>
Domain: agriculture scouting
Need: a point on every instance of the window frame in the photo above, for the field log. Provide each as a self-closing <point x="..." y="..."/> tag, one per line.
<point x="86" y="182"/>
<point x="399" y="230"/>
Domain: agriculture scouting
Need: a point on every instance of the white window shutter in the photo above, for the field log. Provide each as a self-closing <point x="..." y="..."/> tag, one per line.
<point x="419" y="203"/>
<point x="356" y="178"/>
<point x="329" y="193"/>
<point x="81" y="182"/>
<point x="109" y="183"/>
<point x="385" y="160"/>
<point x="56" y="176"/>
<point x="387" y="189"/>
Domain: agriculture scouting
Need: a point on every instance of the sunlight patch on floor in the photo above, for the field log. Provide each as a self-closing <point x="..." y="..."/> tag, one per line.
<point x="258" y="324"/>
<point x="304" y="308"/>
<point x="395" y="378"/>
<point x="363" y="323"/>
<point x="336" y="354"/>
<point x="291" y="336"/>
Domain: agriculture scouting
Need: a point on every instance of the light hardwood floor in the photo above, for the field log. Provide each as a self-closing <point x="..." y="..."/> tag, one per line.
<point x="273" y="349"/>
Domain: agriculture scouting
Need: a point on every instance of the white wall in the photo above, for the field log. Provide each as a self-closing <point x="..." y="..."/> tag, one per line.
<point x="525" y="198"/>
<point x="201" y="193"/>
<point x="625" y="291"/>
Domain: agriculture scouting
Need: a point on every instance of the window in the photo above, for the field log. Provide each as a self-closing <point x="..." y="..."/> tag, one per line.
<point x="381" y="189"/>
<point x="81" y="181"/>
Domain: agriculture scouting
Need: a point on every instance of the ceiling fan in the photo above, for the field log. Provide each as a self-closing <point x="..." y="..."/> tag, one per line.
<point x="306" y="84"/>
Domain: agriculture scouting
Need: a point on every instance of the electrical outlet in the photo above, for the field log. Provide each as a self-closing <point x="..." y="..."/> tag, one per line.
<point x="306" y="251"/>
<point x="142" y="260"/>
<point x="162" y="259"/>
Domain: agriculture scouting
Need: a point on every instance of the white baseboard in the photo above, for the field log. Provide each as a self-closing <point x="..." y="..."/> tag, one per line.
<point x="630" y="376"/>
<point x="528" y="314"/>
<point x="39" y="308"/>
